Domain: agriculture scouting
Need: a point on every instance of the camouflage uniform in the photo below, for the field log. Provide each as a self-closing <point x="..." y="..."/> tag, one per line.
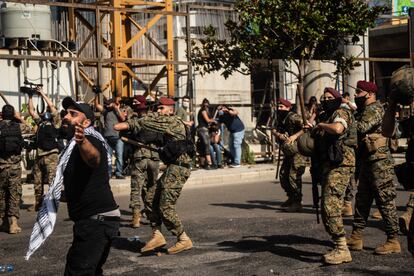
<point x="293" y="165"/>
<point x="144" y="174"/>
<point x="161" y="199"/>
<point x="10" y="182"/>
<point x="335" y="177"/>
<point x="44" y="168"/>
<point x="376" y="172"/>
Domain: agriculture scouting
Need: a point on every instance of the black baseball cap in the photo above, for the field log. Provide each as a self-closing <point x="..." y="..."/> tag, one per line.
<point x="80" y="106"/>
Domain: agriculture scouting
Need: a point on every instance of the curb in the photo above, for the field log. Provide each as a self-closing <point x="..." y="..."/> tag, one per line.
<point x="198" y="179"/>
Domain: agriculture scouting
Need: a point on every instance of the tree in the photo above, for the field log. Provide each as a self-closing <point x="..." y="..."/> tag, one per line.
<point x="295" y="31"/>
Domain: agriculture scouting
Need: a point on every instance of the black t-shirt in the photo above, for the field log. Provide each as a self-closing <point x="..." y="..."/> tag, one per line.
<point x="87" y="189"/>
<point x="201" y="121"/>
<point x="233" y="123"/>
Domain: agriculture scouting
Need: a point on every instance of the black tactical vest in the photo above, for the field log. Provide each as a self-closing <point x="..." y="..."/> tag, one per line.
<point x="11" y="140"/>
<point x="47" y="136"/>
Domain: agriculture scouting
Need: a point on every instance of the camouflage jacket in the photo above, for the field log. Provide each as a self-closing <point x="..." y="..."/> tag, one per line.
<point x="171" y="127"/>
<point x="289" y="126"/>
<point x="141" y="153"/>
<point x="369" y="126"/>
<point x="323" y="139"/>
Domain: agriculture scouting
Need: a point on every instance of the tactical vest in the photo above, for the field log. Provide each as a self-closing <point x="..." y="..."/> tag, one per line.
<point x="350" y="137"/>
<point x="47" y="136"/>
<point x="11" y="140"/>
<point x="173" y="149"/>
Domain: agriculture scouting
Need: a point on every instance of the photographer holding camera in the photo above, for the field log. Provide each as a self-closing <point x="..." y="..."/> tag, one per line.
<point x="111" y="110"/>
<point x="47" y="152"/>
<point x="230" y="118"/>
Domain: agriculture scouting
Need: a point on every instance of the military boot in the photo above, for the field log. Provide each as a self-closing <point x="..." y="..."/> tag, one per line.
<point x="376" y="215"/>
<point x="156" y="241"/>
<point x="295" y="206"/>
<point x="287" y="202"/>
<point x="404" y="220"/>
<point x="136" y="218"/>
<point x="355" y="241"/>
<point x="183" y="243"/>
<point x="14" y="227"/>
<point x="4" y="227"/>
<point x="347" y="209"/>
<point x="37" y="205"/>
<point x="392" y="245"/>
<point x="340" y="254"/>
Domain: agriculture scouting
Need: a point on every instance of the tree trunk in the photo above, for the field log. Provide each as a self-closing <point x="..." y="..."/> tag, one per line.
<point x="301" y="90"/>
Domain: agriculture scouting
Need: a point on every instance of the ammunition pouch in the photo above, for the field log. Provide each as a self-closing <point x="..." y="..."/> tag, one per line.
<point x="335" y="153"/>
<point x="289" y="149"/>
<point x="374" y="141"/>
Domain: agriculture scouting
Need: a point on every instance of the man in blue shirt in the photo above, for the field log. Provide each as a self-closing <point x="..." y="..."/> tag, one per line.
<point x="229" y="117"/>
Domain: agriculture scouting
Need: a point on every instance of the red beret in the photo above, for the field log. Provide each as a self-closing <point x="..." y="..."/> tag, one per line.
<point x="166" y="101"/>
<point x="142" y="101"/>
<point x="333" y="92"/>
<point x="367" y="86"/>
<point x="284" y="102"/>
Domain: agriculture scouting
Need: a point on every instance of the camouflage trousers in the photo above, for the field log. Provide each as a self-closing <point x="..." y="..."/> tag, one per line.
<point x="334" y="183"/>
<point x="144" y="176"/>
<point x="410" y="202"/>
<point x="291" y="172"/>
<point x="376" y="182"/>
<point x="10" y="189"/>
<point x="350" y="189"/>
<point x="44" y="171"/>
<point x="163" y="199"/>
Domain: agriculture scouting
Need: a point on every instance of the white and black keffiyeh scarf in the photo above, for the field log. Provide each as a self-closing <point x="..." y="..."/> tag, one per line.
<point x="46" y="217"/>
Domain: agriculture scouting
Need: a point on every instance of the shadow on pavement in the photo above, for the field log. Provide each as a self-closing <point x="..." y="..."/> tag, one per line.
<point x="278" y="245"/>
<point x="129" y="244"/>
<point x="377" y="272"/>
<point x="265" y="205"/>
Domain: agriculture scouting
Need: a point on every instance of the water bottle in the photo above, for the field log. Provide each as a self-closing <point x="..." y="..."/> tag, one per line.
<point x="6" y="268"/>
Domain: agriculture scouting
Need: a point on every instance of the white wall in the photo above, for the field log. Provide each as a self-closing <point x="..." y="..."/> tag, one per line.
<point x="57" y="83"/>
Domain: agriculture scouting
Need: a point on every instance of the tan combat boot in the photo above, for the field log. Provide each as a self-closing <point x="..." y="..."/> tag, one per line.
<point x="355" y="241"/>
<point x="376" y="215"/>
<point x="347" y="209"/>
<point x="340" y="254"/>
<point x="392" y="245"/>
<point x="136" y="219"/>
<point x="183" y="243"/>
<point x="404" y="220"/>
<point x="156" y="241"/>
<point x="14" y="227"/>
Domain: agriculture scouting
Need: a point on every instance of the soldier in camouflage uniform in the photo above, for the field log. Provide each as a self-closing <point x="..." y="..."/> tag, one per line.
<point x="335" y="139"/>
<point x="144" y="173"/>
<point x="164" y="197"/>
<point x="11" y="142"/>
<point x="47" y="153"/>
<point x="288" y="126"/>
<point x="405" y="129"/>
<point x="376" y="172"/>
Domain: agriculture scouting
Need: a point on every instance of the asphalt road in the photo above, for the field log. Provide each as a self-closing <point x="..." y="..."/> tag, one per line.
<point x="236" y="229"/>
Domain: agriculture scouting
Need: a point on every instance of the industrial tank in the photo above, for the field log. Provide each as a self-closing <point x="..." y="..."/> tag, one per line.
<point x="25" y="20"/>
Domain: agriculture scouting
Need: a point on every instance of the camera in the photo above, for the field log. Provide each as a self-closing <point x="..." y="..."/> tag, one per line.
<point x="96" y="89"/>
<point x="29" y="88"/>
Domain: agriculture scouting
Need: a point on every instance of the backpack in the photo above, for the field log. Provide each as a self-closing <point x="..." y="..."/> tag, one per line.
<point x="175" y="148"/>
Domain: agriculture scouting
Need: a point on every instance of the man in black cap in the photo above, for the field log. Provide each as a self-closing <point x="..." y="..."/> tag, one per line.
<point x="91" y="204"/>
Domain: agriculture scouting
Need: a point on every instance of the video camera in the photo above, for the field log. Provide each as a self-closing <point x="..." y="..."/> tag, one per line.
<point x="29" y="88"/>
<point x="96" y="89"/>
